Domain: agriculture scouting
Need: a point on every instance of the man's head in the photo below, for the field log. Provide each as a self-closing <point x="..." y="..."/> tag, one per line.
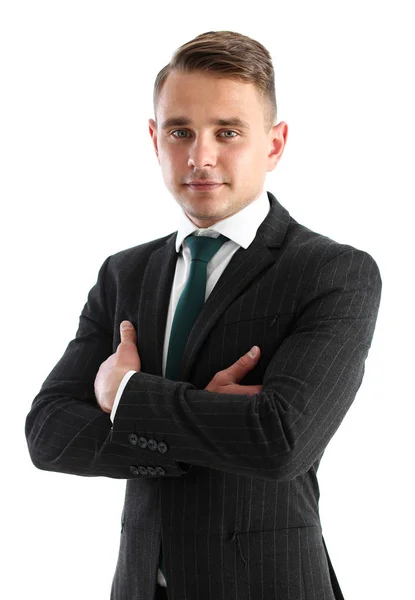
<point x="215" y="120"/>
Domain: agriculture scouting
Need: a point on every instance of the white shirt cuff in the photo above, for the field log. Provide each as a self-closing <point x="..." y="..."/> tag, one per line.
<point x="120" y="390"/>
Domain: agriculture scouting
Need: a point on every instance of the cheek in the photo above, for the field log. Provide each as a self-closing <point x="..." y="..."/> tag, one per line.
<point x="242" y="164"/>
<point x="167" y="163"/>
<point x="240" y="156"/>
<point x="171" y="161"/>
<point x="236" y="160"/>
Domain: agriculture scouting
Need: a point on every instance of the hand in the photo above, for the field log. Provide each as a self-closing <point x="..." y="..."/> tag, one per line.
<point x="112" y="370"/>
<point x="224" y="381"/>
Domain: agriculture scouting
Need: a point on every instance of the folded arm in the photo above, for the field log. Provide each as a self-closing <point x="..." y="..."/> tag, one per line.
<point x="308" y="387"/>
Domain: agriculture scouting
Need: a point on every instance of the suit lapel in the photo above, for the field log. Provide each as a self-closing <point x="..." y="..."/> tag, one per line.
<point x="244" y="266"/>
<point x="154" y="304"/>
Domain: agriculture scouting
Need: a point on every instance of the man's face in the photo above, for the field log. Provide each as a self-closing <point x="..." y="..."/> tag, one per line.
<point x="192" y="144"/>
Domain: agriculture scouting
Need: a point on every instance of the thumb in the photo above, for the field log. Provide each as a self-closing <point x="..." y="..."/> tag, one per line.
<point x="127" y="353"/>
<point x="128" y="333"/>
<point x="239" y="369"/>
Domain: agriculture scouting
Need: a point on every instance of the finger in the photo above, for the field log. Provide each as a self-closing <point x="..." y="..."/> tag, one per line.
<point x="240" y="390"/>
<point x="240" y="368"/>
<point x="127" y="331"/>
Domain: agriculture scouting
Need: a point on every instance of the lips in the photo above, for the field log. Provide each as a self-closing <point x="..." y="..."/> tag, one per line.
<point x="204" y="187"/>
<point x="204" y="183"/>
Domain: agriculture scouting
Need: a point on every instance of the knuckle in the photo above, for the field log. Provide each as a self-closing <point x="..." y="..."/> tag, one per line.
<point x="218" y="377"/>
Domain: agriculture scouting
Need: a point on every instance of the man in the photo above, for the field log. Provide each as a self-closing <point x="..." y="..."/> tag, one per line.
<point x="220" y="447"/>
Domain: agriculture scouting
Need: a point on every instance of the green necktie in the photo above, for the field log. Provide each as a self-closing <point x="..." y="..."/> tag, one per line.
<point x="192" y="299"/>
<point x="191" y="302"/>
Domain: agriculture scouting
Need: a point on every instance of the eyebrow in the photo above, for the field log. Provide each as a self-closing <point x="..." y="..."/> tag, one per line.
<point x="182" y="121"/>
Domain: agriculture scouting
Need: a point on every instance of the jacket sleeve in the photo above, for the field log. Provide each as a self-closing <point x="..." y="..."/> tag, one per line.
<point x="308" y="386"/>
<point x="66" y="430"/>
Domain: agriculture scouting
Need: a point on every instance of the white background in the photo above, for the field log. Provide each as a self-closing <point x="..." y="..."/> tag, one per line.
<point x="80" y="181"/>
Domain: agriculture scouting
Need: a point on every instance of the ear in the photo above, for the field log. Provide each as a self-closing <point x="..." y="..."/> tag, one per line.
<point x="152" y="127"/>
<point x="277" y="140"/>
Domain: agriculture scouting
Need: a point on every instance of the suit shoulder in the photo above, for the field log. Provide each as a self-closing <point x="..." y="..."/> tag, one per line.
<point x="317" y="248"/>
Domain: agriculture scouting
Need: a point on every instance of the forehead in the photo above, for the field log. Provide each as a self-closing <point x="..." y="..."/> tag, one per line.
<point x="202" y="93"/>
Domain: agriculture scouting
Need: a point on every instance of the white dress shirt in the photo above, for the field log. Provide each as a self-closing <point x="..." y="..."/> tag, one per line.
<point x="241" y="229"/>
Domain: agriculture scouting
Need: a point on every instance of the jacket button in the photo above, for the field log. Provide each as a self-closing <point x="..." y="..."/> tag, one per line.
<point x="143" y="470"/>
<point x="151" y="470"/>
<point x="160" y="471"/>
<point x="152" y="445"/>
<point x="142" y="442"/>
<point x="134" y="470"/>
<point x="133" y="439"/>
<point x="162" y="447"/>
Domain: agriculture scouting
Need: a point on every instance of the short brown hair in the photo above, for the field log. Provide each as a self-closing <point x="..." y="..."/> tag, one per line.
<point x="227" y="54"/>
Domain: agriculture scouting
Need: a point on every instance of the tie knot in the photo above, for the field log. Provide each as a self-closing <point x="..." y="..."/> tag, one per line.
<point x="203" y="247"/>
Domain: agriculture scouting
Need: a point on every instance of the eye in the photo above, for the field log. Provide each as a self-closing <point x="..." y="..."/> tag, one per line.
<point x="230" y="131"/>
<point x="177" y="131"/>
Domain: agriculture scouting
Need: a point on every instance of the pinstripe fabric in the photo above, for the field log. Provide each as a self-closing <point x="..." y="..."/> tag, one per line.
<point x="237" y="506"/>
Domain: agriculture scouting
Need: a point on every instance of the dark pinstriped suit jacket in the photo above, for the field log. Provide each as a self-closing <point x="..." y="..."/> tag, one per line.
<point x="228" y="482"/>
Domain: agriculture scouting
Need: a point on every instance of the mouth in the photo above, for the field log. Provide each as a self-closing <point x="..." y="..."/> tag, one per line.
<point x="202" y="187"/>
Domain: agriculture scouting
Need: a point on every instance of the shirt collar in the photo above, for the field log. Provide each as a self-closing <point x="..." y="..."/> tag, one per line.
<point x="241" y="227"/>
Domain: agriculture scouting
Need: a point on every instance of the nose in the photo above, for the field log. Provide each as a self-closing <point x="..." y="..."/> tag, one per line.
<point x="202" y="154"/>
